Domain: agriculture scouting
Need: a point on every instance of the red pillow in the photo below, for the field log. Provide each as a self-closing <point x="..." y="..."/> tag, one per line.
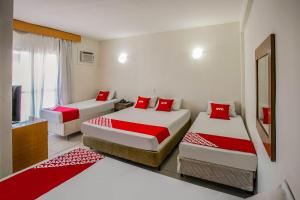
<point x="142" y="102"/>
<point x="267" y="115"/>
<point x="220" y="111"/>
<point x="164" y="104"/>
<point x="102" y="96"/>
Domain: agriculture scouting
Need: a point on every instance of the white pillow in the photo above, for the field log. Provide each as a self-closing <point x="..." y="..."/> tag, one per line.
<point x="232" y="112"/>
<point x="153" y="101"/>
<point x="177" y="104"/>
<point x="111" y="95"/>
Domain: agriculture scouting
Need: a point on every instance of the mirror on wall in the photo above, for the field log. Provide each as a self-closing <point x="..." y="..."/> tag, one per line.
<point x="265" y="108"/>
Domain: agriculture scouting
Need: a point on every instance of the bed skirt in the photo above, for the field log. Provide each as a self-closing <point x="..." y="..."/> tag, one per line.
<point x="230" y="176"/>
<point x="149" y="158"/>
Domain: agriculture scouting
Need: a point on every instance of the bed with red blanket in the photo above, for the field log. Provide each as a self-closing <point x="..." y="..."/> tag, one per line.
<point x="134" y="133"/>
<point x="40" y="179"/>
<point x="220" y="151"/>
<point x="67" y="119"/>
<point x="82" y="174"/>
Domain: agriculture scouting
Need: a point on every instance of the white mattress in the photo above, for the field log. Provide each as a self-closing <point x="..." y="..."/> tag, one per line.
<point x="86" y="108"/>
<point x="173" y="120"/>
<point x="230" y="128"/>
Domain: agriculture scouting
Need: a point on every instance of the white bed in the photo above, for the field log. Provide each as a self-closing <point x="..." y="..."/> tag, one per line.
<point x="230" y="128"/>
<point x="114" y="180"/>
<point x="173" y="120"/>
<point x="229" y="167"/>
<point x="87" y="109"/>
<point x="111" y="179"/>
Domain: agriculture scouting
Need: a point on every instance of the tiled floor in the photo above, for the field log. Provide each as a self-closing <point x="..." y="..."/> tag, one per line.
<point x="58" y="144"/>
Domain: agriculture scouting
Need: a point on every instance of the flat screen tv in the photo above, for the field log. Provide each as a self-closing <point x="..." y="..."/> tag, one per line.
<point x="16" y="103"/>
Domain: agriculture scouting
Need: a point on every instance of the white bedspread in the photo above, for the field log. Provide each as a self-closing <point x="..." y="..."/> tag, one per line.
<point x="230" y="128"/>
<point x="173" y="120"/>
<point x="86" y="108"/>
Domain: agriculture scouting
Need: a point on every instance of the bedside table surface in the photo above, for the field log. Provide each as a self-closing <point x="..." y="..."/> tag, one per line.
<point x="27" y="123"/>
<point x="120" y="106"/>
<point x="125" y="104"/>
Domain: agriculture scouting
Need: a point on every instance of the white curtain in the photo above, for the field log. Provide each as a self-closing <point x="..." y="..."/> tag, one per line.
<point x="35" y="68"/>
<point x="64" y="72"/>
<point x="41" y="65"/>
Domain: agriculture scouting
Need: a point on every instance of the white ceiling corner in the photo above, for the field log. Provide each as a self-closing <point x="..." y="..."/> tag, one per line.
<point x="108" y="19"/>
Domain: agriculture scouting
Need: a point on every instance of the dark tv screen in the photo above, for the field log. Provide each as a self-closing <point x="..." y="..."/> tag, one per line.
<point x="16" y="102"/>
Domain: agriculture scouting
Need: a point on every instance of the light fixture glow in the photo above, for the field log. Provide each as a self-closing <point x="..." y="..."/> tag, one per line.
<point x="197" y="53"/>
<point x="123" y="58"/>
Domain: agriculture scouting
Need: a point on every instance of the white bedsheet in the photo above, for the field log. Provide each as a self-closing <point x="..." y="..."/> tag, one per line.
<point x="86" y="108"/>
<point x="173" y="120"/>
<point x="230" y="128"/>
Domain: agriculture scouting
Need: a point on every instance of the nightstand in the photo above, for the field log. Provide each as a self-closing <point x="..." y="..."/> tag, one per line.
<point x="30" y="143"/>
<point x="121" y="106"/>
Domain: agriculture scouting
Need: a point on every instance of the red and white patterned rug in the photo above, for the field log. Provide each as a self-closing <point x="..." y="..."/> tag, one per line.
<point x="36" y="181"/>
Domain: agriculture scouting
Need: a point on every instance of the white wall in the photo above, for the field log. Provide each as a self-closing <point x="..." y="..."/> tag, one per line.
<point x="6" y="13"/>
<point x="282" y="18"/>
<point x="84" y="77"/>
<point x="162" y="63"/>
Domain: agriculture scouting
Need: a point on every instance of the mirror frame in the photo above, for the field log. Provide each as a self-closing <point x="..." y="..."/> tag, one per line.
<point x="267" y="47"/>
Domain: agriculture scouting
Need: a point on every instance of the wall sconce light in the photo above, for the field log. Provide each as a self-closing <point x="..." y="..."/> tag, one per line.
<point x="122" y="58"/>
<point x="197" y="53"/>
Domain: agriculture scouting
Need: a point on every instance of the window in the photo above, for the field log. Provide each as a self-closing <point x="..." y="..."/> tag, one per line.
<point x="37" y="73"/>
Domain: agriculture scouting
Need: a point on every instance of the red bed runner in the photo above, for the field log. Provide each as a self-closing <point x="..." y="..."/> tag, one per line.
<point x="161" y="133"/>
<point x="36" y="181"/>
<point x="222" y="142"/>
<point x="68" y="114"/>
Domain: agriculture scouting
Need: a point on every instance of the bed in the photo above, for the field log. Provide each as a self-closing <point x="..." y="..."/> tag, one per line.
<point x="93" y="176"/>
<point x="87" y="109"/>
<point x="131" y="144"/>
<point x="201" y="157"/>
<point x="84" y="174"/>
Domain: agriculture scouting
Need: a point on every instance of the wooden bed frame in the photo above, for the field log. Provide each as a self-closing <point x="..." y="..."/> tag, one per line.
<point x="149" y="158"/>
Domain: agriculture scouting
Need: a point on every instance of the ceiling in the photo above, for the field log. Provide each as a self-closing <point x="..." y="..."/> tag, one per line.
<point x="108" y="19"/>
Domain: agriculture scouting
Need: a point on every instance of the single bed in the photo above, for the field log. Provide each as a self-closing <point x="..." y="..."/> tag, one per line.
<point x="222" y="165"/>
<point x="134" y="146"/>
<point x="87" y="109"/>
